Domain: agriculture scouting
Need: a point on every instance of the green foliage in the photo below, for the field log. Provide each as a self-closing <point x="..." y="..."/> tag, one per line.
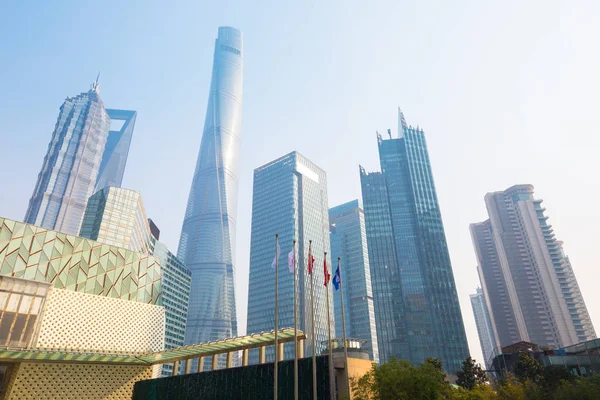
<point x="529" y="368"/>
<point x="400" y="380"/>
<point x="471" y="375"/>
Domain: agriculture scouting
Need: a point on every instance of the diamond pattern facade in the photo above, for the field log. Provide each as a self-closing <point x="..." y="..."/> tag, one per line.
<point x="78" y="264"/>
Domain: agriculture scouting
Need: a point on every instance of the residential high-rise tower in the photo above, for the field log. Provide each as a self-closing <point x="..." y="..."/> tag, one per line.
<point x="530" y="289"/>
<point x="348" y="239"/>
<point x="289" y="199"/>
<point x="416" y="304"/>
<point x="207" y="241"/>
<point x="71" y="165"/>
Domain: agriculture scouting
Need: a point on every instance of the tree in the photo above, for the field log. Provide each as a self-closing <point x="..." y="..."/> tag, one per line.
<point x="400" y="380"/>
<point x="529" y="368"/>
<point x="435" y="362"/>
<point x="471" y="375"/>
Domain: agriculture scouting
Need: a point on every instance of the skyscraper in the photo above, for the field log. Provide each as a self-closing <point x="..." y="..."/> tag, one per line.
<point x="289" y="199"/>
<point x="349" y="242"/>
<point x="115" y="154"/>
<point x="528" y="282"/>
<point x="207" y="241"/>
<point x="70" y="168"/>
<point x="487" y="340"/>
<point x="416" y="304"/>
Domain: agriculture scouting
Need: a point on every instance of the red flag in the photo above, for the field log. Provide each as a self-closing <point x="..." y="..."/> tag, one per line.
<point x="326" y="275"/>
<point x="311" y="261"/>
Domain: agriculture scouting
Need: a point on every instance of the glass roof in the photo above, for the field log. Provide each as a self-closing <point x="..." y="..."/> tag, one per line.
<point x="180" y="353"/>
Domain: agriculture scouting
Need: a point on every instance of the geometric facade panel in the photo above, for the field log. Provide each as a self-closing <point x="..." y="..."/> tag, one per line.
<point x="78" y="264"/>
<point x="85" y="322"/>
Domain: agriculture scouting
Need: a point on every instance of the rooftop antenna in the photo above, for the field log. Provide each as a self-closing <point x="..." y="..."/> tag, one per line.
<point x="389" y="133"/>
<point x="96" y="85"/>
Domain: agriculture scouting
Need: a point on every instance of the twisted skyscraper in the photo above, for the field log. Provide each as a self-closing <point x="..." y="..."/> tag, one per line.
<point x="208" y="234"/>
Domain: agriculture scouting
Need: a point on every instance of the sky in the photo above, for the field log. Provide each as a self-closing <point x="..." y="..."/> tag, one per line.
<point x="506" y="92"/>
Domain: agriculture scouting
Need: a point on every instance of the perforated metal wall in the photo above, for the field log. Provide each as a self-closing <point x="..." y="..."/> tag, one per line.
<point x="80" y="321"/>
<point x="33" y="381"/>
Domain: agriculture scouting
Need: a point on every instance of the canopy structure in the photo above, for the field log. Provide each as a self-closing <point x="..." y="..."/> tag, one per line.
<point x="285" y="335"/>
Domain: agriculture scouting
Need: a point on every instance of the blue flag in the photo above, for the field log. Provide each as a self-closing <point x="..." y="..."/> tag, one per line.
<point x="337" y="279"/>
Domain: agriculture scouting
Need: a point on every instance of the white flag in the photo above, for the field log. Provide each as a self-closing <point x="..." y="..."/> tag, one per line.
<point x="276" y="257"/>
<point x="291" y="261"/>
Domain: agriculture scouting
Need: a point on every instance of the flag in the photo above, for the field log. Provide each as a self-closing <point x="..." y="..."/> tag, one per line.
<point x="311" y="261"/>
<point x="337" y="279"/>
<point x="326" y="275"/>
<point x="291" y="261"/>
<point x="276" y="257"/>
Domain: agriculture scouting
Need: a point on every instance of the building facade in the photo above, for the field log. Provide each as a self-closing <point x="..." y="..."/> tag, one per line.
<point x="416" y="304"/>
<point x="487" y="340"/>
<point x="116" y="150"/>
<point x="79" y="309"/>
<point x="116" y="216"/>
<point x="207" y="239"/>
<point x="176" y="285"/>
<point x="528" y="282"/>
<point x="348" y="240"/>
<point x="290" y="200"/>
<point x="70" y="168"/>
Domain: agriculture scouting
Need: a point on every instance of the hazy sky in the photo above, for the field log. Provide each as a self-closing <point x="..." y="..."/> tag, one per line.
<point x="506" y="91"/>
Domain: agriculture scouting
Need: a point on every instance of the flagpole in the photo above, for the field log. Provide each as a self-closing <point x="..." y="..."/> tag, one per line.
<point x="326" y="275"/>
<point x="344" y="329"/>
<point x="295" y="328"/>
<point x="276" y="317"/>
<point x="312" y="317"/>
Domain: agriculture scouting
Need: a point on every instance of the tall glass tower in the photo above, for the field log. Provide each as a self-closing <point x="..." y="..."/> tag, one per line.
<point x="416" y="304"/>
<point x="207" y="241"/>
<point x="70" y="168"/>
<point x="289" y="199"/>
<point x="349" y="242"/>
<point x="487" y="339"/>
<point x="116" y="151"/>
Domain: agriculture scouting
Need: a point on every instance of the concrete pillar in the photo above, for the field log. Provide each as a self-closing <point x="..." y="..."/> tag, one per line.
<point x="215" y="358"/>
<point x="188" y="366"/>
<point x="176" y="368"/>
<point x="229" y="360"/>
<point x="200" y="364"/>
<point x="244" y="357"/>
<point x="262" y="352"/>
<point x="280" y="353"/>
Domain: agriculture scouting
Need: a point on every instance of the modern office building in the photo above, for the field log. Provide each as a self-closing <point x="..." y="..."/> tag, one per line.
<point x="71" y="165"/>
<point x="176" y="285"/>
<point x="348" y="240"/>
<point x="290" y="200"/>
<point x="207" y="241"/>
<point x="527" y="280"/>
<point x="487" y="340"/>
<point x="74" y="312"/>
<point x="116" y="216"/>
<point x="416" y="304"/>
<point x="116" y="150"/>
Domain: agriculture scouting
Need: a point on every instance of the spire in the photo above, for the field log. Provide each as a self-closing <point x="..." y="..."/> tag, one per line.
<point x="401" y="123"/>
<point x="96" y="85"/>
